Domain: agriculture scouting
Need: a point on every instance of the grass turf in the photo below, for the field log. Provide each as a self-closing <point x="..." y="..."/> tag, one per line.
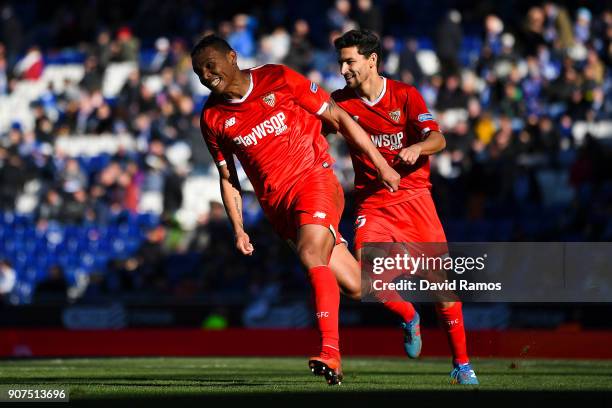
<point x="187" y="380"/>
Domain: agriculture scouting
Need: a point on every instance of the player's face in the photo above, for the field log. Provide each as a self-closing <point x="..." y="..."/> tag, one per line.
<point x="216" y="69"/>
<point x="354" y="67"/>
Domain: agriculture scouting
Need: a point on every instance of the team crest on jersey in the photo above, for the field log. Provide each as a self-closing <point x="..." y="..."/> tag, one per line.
<point x="230" y="122"/>
<point x="313" y="87"/>
<point x="395" y="115"/>
<point x="270" y="99"/>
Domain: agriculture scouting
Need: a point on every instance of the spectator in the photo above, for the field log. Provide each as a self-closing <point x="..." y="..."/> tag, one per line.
<point x="300" y="52"/>
<point x="451" y="95"/>
<point x="125" y="47"/>
<point x="368" y="17"/>
<point x="409" y="67"/>
<point x="92" y="78"/>
<point x="162" y="58"/>
<point x="338" y="17"/>
<point x="242" y="38"/>
<point x="449" y="38"/>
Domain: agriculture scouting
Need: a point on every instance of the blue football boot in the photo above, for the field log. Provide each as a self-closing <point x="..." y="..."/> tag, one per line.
<point x="412" y="336"/>
<point x="463" y="374"/>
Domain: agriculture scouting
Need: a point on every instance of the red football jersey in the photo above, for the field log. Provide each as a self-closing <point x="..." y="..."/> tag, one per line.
<point x="397" y="119"/>
<point x="274" y="130"/>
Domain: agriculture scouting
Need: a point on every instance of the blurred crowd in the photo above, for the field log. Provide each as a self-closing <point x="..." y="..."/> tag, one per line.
<point x="524" y="99"/>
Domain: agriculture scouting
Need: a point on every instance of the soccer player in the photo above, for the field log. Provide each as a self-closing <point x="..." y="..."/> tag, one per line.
<point x="405" y="132"/>
<point x="269" y="117"/>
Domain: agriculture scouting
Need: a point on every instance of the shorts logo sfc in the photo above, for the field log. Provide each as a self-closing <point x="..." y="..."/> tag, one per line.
<point x="395" y="115"/>
<point x="270" y="100"/>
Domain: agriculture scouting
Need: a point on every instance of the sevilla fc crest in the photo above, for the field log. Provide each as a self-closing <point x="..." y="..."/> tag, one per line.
<point x="270" y="99"/>
<point x="395" y="115"/>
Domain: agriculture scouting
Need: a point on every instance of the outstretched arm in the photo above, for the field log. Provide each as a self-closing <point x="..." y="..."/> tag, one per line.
<point x="232" y="200"/>
<point x="342" y="122"/>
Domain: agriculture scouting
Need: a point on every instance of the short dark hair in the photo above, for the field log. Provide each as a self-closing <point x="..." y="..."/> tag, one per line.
<point x="210" y="40"/>
<point x="366" y="41"/>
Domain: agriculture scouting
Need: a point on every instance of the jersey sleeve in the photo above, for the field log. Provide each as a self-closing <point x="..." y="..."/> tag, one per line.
<point x="309" y="95"/>
<point x="418" y="114"/>
<point x="212" y="142"/>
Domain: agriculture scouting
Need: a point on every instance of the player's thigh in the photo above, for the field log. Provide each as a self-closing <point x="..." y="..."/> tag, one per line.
<point x="319" y="200"/>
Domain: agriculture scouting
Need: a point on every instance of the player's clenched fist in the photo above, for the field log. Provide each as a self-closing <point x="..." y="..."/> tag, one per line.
<point x="410" y="154"/>
<point x="243" y="243"/>
<point x="390" y="178"/>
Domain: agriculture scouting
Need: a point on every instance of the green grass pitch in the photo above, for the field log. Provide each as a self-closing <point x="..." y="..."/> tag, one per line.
<point x="425" y="381"/>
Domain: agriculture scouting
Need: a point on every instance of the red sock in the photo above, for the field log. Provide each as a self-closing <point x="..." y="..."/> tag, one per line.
<point x="404" y="309"/>
<point x="327" y="301"/>
<point x="452" y="319"/>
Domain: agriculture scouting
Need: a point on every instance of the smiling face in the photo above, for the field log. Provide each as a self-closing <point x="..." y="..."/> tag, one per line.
<point x="354" y="67"/>
<point x="216" y="69"/>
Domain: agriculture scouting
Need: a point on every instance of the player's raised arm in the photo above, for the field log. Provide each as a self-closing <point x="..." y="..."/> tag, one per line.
<point x="232" y="200"/>
<point x="341" y="121"/>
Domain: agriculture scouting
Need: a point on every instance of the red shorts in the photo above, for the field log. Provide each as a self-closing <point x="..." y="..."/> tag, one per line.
<point x="316" y="199"/>
<point x="414" y="220"/>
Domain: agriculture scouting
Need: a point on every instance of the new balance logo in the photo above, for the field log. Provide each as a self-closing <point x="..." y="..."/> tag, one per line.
<point x="230" y="122"/>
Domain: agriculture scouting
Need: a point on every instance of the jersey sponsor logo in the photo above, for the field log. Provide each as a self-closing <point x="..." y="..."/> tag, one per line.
<point x="395" y="115"/>
<point x="360" y="221"/>
<point x="270" y="100"/>
<point x="274" y="125"/>
<point x="314" y="87"/>
<point x="230" y="122"/>
<point x="392" y="141"/>
<point x="424" y="117"/>
<point x="319" y="214"/>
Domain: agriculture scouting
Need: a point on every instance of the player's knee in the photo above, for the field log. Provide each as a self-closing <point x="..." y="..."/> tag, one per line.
<point x="353" y="292"/>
